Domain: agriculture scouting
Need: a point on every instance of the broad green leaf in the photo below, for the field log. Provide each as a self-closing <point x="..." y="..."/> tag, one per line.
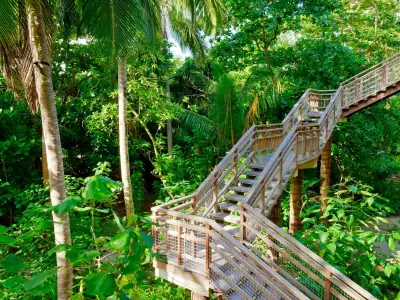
<point x="118" y="221"/>
<point x="340" y="213"/>
<point x="3" y="229"/>
<point x="350" y="220"/>
<point x="43" y="224"/>
<point x="13" y="282"/>
<point x="388" y="271"/>
<point x="59" y="248"/>
<point x="67" y="205"/>
<point x="13" y="263"/>
<point x="323" y="236"/>
<point x="42" y="289"/>
<point x="147" y="239"/>
<point x="370" y="201"/>
<point x="120" y="241"/>
<point x="391" y="243"/>
<point x="353" y="188"/>
<point x="97" y="189"/>
<point x="76" y="256"/>
<point x="133" y="265"/>
<point x="6" y="240"/>
<point x="83" y="209"/>
<point x="331" y="247"/>
<point x="39" y="279"/>
<point x="132" y="219"/>
<point x="100" y="284"/>
<point x="396" y="235"/>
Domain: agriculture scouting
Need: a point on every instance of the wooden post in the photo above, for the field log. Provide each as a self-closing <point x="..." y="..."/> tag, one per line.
<point x="325" y="173"/>
<point x="261" y="205"/>
<point x="235" y="166"/>
<point x="179" y="246"/>
<point x="193" y="204"/>
<point x="242" y="221"/>
<point x="355" y="90"/>
<point x="328" y="286"/>
<point x="215" y="194"/>
<point x="208" y="260"/>
<point x="384" y="76"/>
<point x="275" y="215"/>
<point x="296" y="203"/>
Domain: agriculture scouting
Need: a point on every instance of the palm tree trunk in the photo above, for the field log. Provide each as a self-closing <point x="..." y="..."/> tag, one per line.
<point x="45" y="169"/>
<point x="164" y="16"/>
<point x="123" y="139"/>
<point x="44" y="86"/>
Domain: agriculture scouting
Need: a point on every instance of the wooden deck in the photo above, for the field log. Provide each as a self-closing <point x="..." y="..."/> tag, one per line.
<point x="219" y="238"/>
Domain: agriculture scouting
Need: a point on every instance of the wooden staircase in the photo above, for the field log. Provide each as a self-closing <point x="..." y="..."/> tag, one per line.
<point x="220" y="238"/>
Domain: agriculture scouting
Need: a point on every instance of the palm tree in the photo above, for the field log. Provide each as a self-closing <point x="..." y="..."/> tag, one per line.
<point x="125" y="24"/>
<point x="186" y="20"/>
<point x="11" y="12"/>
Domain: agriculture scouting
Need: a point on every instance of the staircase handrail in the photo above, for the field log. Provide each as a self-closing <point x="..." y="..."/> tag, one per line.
<point x="359" y="75"/>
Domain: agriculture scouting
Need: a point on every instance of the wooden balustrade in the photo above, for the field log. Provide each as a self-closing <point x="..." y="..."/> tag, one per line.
<point x="267" y="258"/>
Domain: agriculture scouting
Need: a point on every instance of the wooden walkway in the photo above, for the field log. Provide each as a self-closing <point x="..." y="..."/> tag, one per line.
<point x="220" y="239"/>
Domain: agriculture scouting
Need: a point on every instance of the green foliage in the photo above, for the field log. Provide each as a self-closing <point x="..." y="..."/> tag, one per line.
<point x="348" y="232"/>
<point x="110" y="256"/>
<point x="367" y="147"/>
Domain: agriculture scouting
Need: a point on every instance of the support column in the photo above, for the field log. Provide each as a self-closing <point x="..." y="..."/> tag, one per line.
<point x="296" y="189"/>
<point x="325" y="173"/>
<point x="275" y="215"/>
<point x="197" y="296"/>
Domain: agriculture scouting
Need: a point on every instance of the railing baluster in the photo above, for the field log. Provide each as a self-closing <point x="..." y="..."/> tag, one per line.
<point x="328" y="286"/>
<point x="208" y="258"/>
<point x="179" y="260"/>
<point x="242" y="221"/>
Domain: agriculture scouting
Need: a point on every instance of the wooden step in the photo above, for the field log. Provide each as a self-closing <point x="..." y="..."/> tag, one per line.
<point x="251" y="173"/>
<point x="264" y="158"/>
<point x="226" y="218"/>
<point x="236" y="198"/>
<point x="246" y="181"/>
<point x="257" y="166"/>
<point x="314" y="114"/>
<point x="240" y="189"/>
<point x="229" y="206"/>
<point x="235" y="231"/>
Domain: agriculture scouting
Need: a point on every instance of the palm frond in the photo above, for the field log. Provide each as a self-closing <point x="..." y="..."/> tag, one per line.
<point x="120" y="24"/>
<point x="198" y="123"/>
<point x="186" y="34"/>
<point x="262" y="89"/>
<point x="227" y="109"/>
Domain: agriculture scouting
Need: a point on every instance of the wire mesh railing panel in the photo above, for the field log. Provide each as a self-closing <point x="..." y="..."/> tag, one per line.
<point x="232" y="277"/>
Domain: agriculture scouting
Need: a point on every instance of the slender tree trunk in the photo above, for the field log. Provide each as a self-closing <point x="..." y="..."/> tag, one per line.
<point x="45" y="169"/>
<point x="296" y="203"/>
<point x="123" y="138"/>
<point x="325" y="173"/>
<point x="44" y="86"/>
<point x="164" y="16"/>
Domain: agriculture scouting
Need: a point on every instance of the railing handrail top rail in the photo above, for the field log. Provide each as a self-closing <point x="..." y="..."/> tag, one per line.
<point x="314" y="257"/>
<point x="376" y="66"/>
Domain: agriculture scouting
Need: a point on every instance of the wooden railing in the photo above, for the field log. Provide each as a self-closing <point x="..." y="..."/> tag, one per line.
<point x="265" y="261"/>
<point x="371" y="81"/>
<point x="258" y="140"/>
